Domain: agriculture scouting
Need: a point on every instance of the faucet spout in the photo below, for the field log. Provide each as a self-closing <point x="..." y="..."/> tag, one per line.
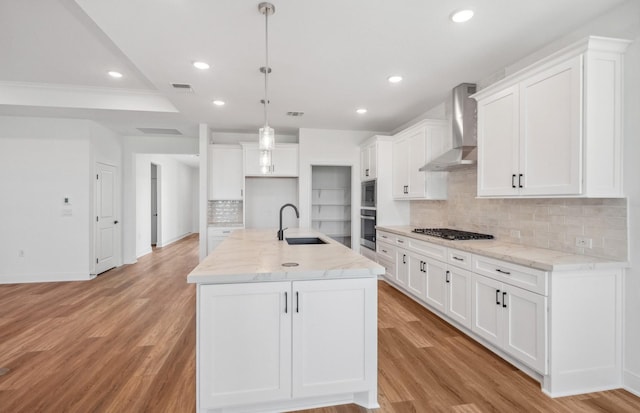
<point x="281" y="230"/>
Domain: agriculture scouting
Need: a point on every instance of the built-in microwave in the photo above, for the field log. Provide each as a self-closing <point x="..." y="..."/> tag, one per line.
<point x="368" y="194"/>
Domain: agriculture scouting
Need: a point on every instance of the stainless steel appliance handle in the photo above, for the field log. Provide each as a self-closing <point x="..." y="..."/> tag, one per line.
<point x="368" y="218"/>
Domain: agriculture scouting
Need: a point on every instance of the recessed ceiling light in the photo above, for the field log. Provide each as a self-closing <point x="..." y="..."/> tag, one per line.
<point x="201" y="65"/>
<point x="361" y="111"/>
<point x="394" y="79"/>
<point x="462" y="16"/>
<point x="218" y="102"/>
<point x="115" y="74"/>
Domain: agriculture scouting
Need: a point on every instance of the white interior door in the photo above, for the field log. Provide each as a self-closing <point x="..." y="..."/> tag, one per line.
<point x="154" y="204"/>
<point x="106" y="217"/>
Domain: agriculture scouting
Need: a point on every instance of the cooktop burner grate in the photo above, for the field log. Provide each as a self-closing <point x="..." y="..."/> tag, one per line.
<point x="451" y="234"/>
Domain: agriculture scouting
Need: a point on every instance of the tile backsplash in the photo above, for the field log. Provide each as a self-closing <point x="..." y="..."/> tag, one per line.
<point x="547" y="223"/>
<point x="224" y="212"/>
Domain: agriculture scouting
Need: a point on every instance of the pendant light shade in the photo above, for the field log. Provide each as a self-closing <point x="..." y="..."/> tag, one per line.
<point x="266" y="138"/>
<point x="266" y="134"/>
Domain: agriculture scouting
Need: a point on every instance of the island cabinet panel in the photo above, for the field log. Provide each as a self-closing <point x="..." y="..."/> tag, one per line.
<point x="333" y="324"/>
<point x="245" y="343"/>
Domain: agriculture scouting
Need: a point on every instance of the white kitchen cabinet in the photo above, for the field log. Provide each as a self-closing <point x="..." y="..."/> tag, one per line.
<point x="554" y="128"/>
<point x="459" y="285"/>
<point x="226" y="177"/>
<point x="332" y="321"/>
<point x="249" y="364"/>
<point x="416" y="280"/>
<point x="282" y="341"/>
<point x="412" y="149"/>
<point x="284" y="160"/>
<point x="369" y="161"/>
<point x="215" y="236"/>
<point x="436" y="291"/>
<point x="513" y="319"/>
<point x="402" y="267"/>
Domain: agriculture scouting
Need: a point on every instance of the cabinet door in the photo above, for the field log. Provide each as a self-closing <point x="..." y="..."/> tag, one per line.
<point x="285" y="161"/>
<point x="498" y="143"/>
<point x="334" y="339"/>
<point x="244" y="343"/>
<point x="486" y="314"/>
<point x="525" y="321"/>
<point x="226" y="178"/>
<point x="364" y="163"/>
<point x="416" y="277"/>
<point x="459" y="295"/>
<point x="402" y="267"/>
<point x="436" y="284"/>
<point x="417" y="152"/>
<point x="399" y="172"/>
<point x="550" y="134"/>
<point x="252" y="161"/>
<point x="373" y="161"/>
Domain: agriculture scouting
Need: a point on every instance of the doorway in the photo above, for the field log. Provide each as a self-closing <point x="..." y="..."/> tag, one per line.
<point x="155" y="202"/>
<point x="331" y="201"/>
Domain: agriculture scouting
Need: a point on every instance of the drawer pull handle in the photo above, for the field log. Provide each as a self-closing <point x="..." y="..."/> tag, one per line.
<point x="385" y="251"/>
<point x="457" y="258"/>
<point x="497" y="297"/>
<point x="401" y="241"/>
<point x="503" y="272"/>
<point x="504" y="301"/>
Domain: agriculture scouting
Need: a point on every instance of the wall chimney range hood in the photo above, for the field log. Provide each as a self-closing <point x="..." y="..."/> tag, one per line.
<point x="464" y="133"/>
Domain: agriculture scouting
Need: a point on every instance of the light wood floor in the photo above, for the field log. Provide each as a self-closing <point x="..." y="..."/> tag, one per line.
<point x="125" y="342"/>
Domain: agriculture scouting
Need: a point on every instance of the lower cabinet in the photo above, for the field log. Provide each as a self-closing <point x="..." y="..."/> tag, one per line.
<point x="264" y="342"/>
<point x="512" y="319"/>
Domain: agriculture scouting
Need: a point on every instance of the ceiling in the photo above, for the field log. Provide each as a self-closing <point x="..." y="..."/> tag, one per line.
<point x="328" y="58"/>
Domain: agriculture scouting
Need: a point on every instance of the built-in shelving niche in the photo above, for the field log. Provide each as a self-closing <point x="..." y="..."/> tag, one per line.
<point x="331" y="202"/>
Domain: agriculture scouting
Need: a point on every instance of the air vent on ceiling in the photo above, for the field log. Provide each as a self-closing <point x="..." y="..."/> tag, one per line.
<point x="295" y="114"/>
<point x="184" y="87"/>
<point x="160" y="131"/>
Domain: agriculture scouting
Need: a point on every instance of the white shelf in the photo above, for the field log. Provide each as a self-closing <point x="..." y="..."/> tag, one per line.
<point x="331" y="220"/>
<point x="332" y="204"/>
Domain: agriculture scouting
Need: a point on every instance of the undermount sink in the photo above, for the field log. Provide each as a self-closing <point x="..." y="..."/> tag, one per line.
<point x="305" y="241"/>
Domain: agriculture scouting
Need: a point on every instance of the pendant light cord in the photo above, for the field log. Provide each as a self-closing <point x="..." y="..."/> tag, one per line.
<point x="266" y="68"/>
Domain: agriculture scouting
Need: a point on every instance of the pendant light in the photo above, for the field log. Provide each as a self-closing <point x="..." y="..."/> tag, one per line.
<point x="266" y="134"/>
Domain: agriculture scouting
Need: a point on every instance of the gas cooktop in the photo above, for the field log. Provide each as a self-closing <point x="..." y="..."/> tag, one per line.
<point x="451" y="234"/>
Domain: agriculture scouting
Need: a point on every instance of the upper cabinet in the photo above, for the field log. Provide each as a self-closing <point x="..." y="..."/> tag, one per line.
<point x="369" y="162"/>
<point x="412" y="149"/>
<point x="554" y="128"/>
<point x="226" y="179"/>
<point x="284" y="160"/>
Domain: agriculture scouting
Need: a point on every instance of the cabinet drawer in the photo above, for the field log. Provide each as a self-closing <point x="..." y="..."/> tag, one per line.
<point x="389" y="267"/>
<point x="459" y="258"/>
<point x="386" y="237"/>
<point x="435" y="251"/>
<point x="514" y="274"/>
<point x="219" y="231"/>
<point x="386" y="251"/>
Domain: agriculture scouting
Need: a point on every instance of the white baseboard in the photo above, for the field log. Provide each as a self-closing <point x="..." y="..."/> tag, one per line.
<point x="44" y="278"/>
<point x="632" y="382"/>
<point x="178" y="238"/>
<point x="143" y="253"/>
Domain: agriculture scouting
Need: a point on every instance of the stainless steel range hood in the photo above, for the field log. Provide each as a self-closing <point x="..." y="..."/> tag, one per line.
<point x="464" y="133"/>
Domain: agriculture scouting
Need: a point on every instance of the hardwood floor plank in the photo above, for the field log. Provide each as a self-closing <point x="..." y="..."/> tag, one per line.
<point x="125" y="342"/>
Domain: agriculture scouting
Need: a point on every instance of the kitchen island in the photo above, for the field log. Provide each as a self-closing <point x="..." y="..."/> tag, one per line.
<point x="285" y="327"/>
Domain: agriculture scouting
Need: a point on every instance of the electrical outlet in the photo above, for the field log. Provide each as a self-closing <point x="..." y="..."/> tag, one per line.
<point x="515" y="233"/>
<point x="583" y="242"/>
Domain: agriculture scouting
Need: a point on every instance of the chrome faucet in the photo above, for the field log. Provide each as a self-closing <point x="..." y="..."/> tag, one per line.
<point x="281" y="230"/>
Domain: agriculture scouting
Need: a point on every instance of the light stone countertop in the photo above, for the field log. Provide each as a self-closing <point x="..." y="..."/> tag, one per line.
<point x="256" y="255"/>
<point x="538" y="258"/>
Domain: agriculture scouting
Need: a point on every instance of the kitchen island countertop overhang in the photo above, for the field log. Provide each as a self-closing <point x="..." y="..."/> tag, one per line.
<point x="256" y="255"/>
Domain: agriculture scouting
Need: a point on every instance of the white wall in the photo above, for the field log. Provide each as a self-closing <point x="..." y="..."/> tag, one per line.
<point x="42" y="161"/>
<point x="330" y="147"/>
<point x="175" y="210"/>
<point x="263" y="200"/>
<point x="133" y="145"/>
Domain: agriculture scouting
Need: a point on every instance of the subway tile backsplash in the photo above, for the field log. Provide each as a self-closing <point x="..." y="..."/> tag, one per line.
<point x="547" y="223"/>
<point x="224" y="212"/>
